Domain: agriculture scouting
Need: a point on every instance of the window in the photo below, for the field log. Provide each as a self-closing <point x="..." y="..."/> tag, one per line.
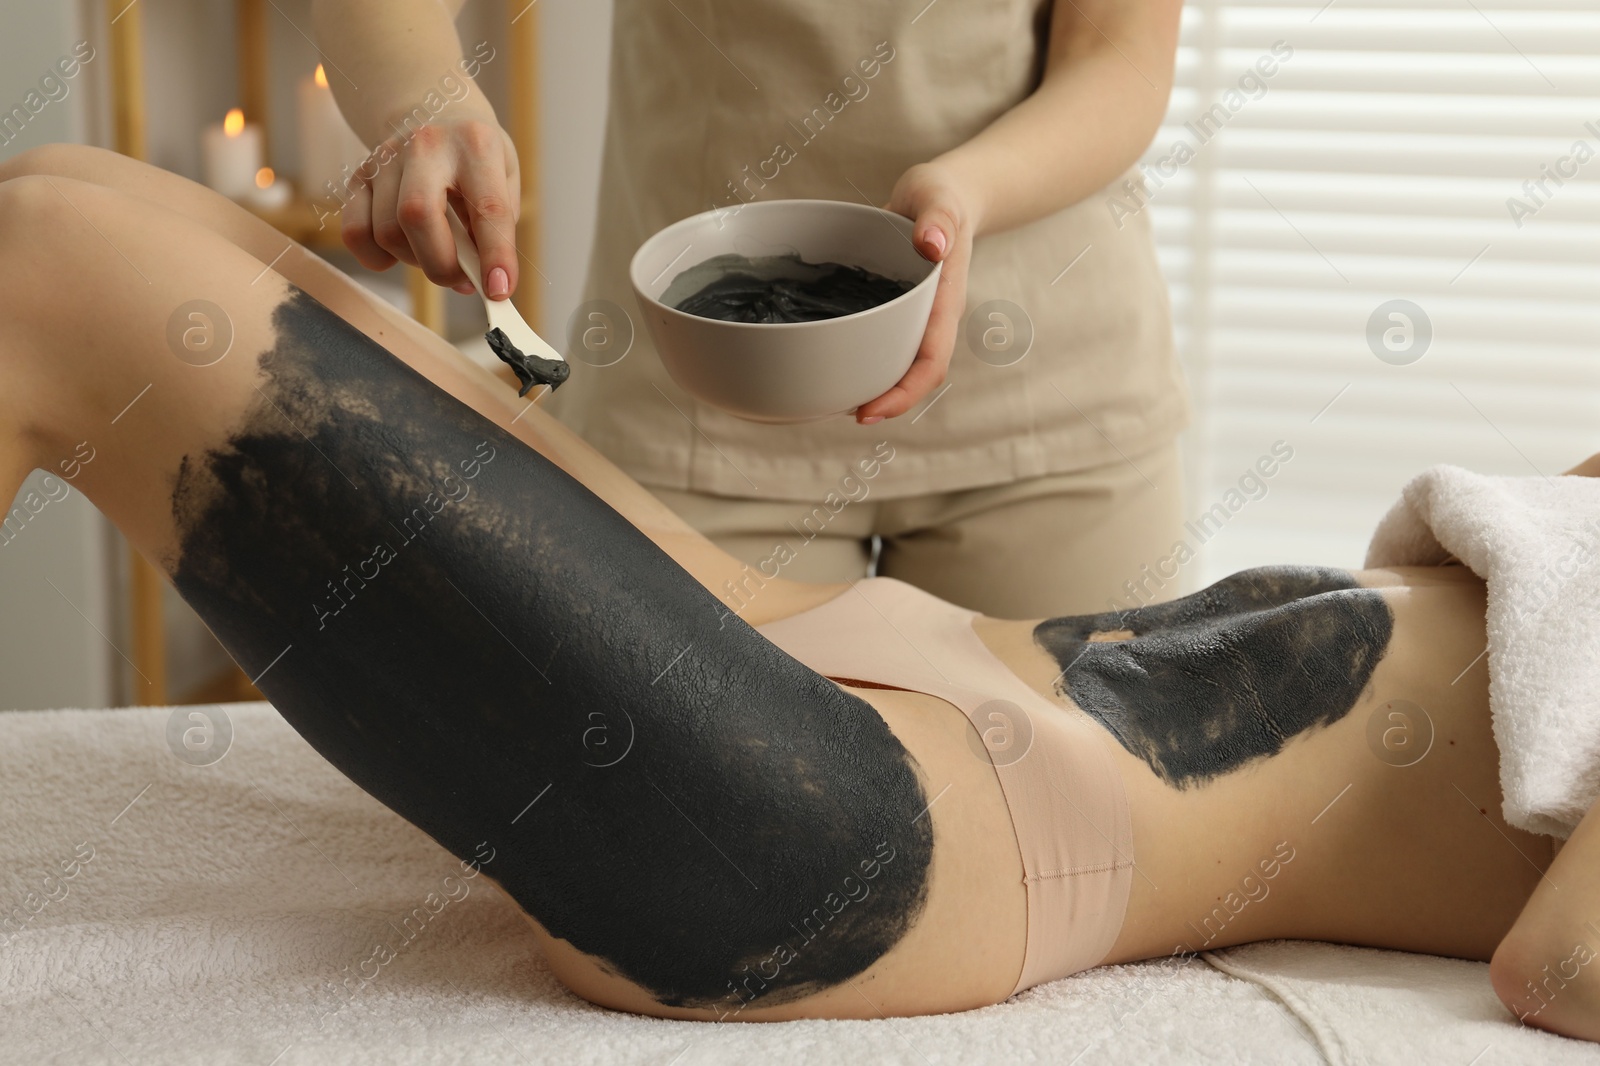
<point x="1381" y="227"/>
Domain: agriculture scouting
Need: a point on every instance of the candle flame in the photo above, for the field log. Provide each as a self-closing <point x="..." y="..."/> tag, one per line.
<point x="233" y="125"/>
<point x="264" y="177"/>
<point x="321" y="76"/>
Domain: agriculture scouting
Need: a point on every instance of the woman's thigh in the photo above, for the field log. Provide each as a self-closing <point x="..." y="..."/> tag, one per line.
<point x="964" y="951"/>
<point x="185" y="211"/>
<point x="90" y="282"/>
<point x="449" y="618"/>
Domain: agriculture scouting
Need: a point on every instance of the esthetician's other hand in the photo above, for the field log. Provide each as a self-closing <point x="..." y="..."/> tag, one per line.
<point x="398" y="213"/>
<point x="944" y="215"/>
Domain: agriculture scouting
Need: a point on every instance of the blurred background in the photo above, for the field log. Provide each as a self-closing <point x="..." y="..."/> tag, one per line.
<point x="1380" y="225"/>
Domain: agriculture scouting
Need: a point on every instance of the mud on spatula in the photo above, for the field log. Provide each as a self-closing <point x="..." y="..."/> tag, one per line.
<point x="512" y="339"/>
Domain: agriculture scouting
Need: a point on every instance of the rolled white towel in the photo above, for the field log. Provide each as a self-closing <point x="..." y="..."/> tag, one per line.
<point x="1536" y="543"/>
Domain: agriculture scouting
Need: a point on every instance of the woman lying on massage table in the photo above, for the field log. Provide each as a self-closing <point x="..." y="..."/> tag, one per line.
<point x="511" y="644"/>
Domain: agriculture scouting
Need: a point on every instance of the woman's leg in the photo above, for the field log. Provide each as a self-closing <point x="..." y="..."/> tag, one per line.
<point x="420" y="349"/>
<point x="450" y="618"/>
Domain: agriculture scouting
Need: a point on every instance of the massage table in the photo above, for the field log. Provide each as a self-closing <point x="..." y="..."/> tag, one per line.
<point x="259" y="908"/>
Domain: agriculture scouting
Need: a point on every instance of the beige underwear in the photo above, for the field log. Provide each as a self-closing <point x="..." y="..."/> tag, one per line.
<point x="1068" y="807"/>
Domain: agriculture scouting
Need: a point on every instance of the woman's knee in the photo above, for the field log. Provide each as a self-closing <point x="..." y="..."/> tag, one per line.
<point x="33" y="216"/>
<point x="39" y="236"/>
<point x="31" y="222"/>
<point x="65" y="160"/>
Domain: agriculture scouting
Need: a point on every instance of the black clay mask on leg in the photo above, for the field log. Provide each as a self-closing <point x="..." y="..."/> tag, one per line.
<point x="490" y="650"/>
<point x="1201" y="686"/>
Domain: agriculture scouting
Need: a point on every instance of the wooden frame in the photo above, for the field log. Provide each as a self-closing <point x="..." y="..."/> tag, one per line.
<point x="145" y="588"/>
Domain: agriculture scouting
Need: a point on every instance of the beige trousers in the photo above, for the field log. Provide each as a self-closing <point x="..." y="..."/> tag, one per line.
<point x="1053" y="545"/>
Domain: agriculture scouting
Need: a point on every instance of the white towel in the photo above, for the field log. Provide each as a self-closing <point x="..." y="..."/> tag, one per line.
<point x="1366" y="1007"/>
<point x="1536" y="543"/>
<point x="229" y="914"/>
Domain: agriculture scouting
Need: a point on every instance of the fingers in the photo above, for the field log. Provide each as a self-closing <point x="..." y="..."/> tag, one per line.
<point x="485" y="187"/>
<point x="941" y="206"/>
<point x="420" y="206"/>
<point x="922" y="378"/>
<point x="386" y="228"/>
<point x="932" y="363"/>
<point x="926" y="373"/>
<point x="943" y="224"/>
<point x="945" y="321"/>
<point x="397" y="212"/>
<point x="355" y="229"/>
<point x="934" y="233"/>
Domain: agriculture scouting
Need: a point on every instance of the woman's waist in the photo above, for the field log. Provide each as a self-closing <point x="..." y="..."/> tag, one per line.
<point x="1322" y="838"/>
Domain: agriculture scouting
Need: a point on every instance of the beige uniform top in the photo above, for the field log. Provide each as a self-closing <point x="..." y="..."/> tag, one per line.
<point x="717" y="102"/>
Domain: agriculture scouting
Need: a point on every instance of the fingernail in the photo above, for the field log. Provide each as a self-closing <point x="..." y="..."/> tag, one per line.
<point x="499" y="283"/>
<point x="936" y="238"/>
<point x="465" y="288"/>
<point x="871" y="419"/>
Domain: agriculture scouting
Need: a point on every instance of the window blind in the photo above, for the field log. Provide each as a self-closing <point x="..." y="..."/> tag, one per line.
<point x="1381" y="229"/>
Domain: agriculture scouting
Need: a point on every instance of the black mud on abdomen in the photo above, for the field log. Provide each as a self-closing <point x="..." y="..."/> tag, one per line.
<point x="1205" y="684"/>
<point x="486" y="647"/>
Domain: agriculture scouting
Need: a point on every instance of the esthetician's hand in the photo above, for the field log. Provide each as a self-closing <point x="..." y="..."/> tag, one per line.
<point x="397" y="213"/>
<point x="945" y="216"/>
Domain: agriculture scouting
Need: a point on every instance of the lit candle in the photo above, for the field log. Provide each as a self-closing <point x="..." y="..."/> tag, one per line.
<point x="267" y="192"/>
<point x="327" y="143"/>
<point x="231" y="155"/>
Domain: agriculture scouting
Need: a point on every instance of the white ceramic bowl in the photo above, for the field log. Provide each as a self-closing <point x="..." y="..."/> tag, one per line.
<point x="789" y="371"/>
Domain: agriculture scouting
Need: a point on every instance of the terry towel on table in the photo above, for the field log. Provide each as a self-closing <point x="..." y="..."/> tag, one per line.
<point x="1536" y="543"/>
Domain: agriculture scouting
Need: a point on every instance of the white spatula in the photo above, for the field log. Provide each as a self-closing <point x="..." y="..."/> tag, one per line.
<point x="512" y="339"/>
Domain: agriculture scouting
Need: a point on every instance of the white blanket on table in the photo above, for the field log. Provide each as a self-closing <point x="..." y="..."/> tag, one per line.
<point x="222" y="907"/>
<point x="1536" y="543"/>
